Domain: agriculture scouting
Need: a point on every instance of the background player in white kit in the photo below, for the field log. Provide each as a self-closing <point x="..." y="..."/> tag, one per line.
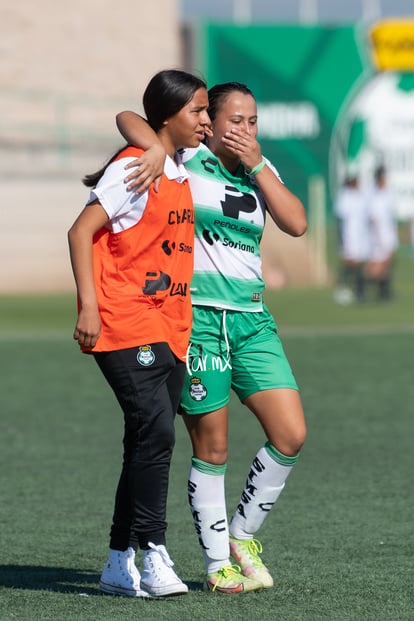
<point x="383" y="236"/>
<point x="351" y="211"/>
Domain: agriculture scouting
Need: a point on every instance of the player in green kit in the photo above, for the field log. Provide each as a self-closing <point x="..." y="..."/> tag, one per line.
<point x="234" y="341"/>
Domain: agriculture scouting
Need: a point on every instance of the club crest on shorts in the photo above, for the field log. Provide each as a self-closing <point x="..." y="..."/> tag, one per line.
<point x="145" y="356"/>
<point x="197" y="390"/>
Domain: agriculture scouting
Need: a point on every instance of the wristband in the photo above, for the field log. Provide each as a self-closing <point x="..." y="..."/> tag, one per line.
<point x="256" y="169"/>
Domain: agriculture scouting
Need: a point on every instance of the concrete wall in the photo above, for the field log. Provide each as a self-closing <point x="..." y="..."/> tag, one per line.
<point x="66" y="69"/>
<point x="86" y="47"/>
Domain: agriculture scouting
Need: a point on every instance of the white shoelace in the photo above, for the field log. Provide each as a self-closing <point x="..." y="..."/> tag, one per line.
<point x="162" y="551"/>
<point x="133" y="570"/>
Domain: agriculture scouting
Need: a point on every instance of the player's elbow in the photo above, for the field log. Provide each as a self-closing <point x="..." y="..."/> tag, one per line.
<point x="300" y="226"/>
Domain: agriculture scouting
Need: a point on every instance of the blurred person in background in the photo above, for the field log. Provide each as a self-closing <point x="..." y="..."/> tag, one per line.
<point x="234" y="342"/>
<point x="351" y="211"/>
<point x="132" y="259"/>
<point x="383" y="236"/>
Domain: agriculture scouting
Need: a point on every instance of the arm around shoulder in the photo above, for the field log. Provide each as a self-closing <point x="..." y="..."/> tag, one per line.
<point x="136" y="130"/>
<point x="149" y="167"/>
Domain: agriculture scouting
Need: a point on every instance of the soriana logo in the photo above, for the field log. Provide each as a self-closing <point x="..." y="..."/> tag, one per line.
<point x="392" y="44"/>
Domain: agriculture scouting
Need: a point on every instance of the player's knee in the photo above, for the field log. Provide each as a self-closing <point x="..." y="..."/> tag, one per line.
<point x="298" y="439"/>
<point x="293" y="443"/>
<point x="214" y="455"/>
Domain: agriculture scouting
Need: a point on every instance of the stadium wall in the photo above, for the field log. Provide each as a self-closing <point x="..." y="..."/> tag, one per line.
<point x="66" y="69"/>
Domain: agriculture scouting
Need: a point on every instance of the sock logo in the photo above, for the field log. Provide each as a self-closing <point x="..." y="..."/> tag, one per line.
<point x="216" y="527"/>
<point x="250" y="489"/>
<point x="192" y="487"/>
<point x="248" y="492"/>
<point x="266" y="506"/>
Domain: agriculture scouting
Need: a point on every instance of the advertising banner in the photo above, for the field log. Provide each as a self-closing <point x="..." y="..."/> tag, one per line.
<point x="329" y="98"/>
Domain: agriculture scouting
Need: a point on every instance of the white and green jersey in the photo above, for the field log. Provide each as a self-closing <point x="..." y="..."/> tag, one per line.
<point x="229" y="220"/>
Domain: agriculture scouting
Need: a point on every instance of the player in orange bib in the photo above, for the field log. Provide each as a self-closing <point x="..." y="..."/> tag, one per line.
<point x="132" y="259"/>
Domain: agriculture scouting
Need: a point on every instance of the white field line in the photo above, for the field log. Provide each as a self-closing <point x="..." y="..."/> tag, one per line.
<point x="288" y="332"/>
<point x="331" y="331"/>
<point x="35" y="335"/>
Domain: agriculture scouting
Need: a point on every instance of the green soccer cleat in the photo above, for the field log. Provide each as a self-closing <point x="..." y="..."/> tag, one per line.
<point x="246" y="553"/>
<point x="230" y="580"/>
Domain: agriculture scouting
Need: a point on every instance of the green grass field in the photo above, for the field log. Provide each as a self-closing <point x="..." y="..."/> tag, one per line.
<point x="340" y="541"/>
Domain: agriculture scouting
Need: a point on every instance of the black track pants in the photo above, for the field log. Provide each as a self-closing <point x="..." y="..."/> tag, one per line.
<point x="147" y="382"/>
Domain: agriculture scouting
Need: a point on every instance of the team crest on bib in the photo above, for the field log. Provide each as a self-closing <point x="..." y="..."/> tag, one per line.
<point x="145" y="356"/>
<point x="198" y="392"/>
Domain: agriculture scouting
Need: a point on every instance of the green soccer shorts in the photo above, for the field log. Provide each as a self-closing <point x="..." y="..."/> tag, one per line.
<point x="232" y="349"/>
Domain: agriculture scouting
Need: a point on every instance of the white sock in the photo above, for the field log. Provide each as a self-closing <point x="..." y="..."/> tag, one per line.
<point x="264" y="484"/>
<point x="208" y="506"/>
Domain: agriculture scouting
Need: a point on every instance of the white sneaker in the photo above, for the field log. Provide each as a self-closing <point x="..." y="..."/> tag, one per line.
<point x="158" y="577"/>
<point x="120" y="575"/>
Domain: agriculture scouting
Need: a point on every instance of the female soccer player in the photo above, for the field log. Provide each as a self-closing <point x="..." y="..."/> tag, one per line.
<point x="132" y="261"/>
<point x="234" y="341"/>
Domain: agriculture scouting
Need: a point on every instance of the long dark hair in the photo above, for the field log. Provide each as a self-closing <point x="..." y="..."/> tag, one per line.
<point x="218" y="93"/>
<point x="166" y="94"/>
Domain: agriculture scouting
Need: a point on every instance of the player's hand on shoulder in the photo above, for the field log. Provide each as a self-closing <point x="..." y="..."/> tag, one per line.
<point x="146" y="169"/>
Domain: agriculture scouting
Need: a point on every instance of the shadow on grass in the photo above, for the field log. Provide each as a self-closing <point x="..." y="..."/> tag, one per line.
<point x="58" y="579"/>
